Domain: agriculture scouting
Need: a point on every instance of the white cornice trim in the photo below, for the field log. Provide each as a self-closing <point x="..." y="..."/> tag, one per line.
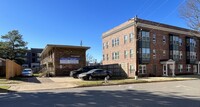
<point x="139" y="24"/>
<point x="167" y="29"/>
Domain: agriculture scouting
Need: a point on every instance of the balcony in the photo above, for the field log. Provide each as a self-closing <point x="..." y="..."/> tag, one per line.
<point x="47" y="60"/>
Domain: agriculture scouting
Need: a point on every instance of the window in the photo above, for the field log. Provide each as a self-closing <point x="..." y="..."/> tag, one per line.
<point x="113" y="42"/>
<point x="164" y="52"/>
<point x="104" y="45"/>
<point x="38" y="59"/>
<point x="142" y="69"/>
<point x="180" y="67"/>
<point x="144" y="47"/>
<point x="191" y="50"/>
<point x="188" y="67"/>
<point x="180" y="42"/>
<point x="125" y="39"/>
<point x="107" y="57"/>
<point x="103" y="58"/>
<point x="174" y="47"/>
<point x="131" y="53"/>
<point x="154" y="54"/>
<point x="125" y="54"/>
<point x="117" y="41"/>
<point x="181" y="54"/>
<point x="164" y="39"/>
<point x="130" y="37"/>
<point x="33" y="60"/>
<point x="107" y="44"/>
<point x="115" y="55"/>
<point x="154" y="38"/>
<point x="38" y="54"/>
<point x="131" y="69"/>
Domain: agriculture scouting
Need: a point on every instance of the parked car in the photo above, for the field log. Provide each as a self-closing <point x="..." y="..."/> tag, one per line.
<point x="27" y="72"/>
<point x="95" y="73"/>
<point x="75" y="73"/>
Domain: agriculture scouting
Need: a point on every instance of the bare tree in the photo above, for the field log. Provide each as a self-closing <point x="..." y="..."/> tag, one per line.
<point x="190" y="11"/>
<point x="89" y="58"/>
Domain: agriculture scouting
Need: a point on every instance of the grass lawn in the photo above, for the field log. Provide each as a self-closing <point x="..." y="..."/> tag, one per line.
<point x="132" y="81"/>
<point x="3" y="81"/>
<point x="4" y="88"/>
<point x="36" y="74"/>
<point x="110" y="82"/>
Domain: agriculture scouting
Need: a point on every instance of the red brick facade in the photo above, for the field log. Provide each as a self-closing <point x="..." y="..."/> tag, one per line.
<point x="154" y="67"/>
<point x="53" y="54"/>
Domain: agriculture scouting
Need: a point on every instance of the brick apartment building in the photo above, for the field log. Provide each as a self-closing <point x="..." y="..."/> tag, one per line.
<point x="149" y="48"/>
<point x="59" y="60"/>
<point x="32" y="59"/>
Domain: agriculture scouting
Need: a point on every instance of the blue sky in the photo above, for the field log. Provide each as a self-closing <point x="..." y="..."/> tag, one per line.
<point x="68" y="22"/>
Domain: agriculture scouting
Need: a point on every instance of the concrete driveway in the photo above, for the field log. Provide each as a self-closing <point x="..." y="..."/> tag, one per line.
<point x="36" y="83"/>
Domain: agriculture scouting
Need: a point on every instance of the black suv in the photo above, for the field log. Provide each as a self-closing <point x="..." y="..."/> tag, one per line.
<point x="75" y="73"/>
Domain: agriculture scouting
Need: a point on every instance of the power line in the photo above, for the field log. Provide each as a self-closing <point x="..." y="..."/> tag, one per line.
<point x="168" y="15"/>
<point x="140" y="14"/>
<point x="158" y="8"/>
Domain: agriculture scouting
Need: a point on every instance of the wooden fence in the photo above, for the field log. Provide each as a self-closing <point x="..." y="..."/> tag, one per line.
<point x="12" y="69"/>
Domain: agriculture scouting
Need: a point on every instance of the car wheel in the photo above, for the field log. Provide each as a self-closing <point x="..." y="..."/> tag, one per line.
<point x="90" y="77"/>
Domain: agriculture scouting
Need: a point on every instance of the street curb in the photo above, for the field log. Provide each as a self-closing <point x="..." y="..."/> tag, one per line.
<point x="139" y="82"/>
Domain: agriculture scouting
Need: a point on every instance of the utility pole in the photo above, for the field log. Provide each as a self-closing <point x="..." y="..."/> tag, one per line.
<point x="81" y="44"/>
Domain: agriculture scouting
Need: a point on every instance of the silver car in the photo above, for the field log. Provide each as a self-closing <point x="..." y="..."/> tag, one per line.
<point x="27" y="72"/>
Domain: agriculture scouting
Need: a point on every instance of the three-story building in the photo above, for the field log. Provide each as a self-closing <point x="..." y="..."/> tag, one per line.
<point x="152" y="49"/>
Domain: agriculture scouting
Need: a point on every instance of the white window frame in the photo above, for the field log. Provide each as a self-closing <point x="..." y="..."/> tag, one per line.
<point x="154" y="54"/>
<point x="154" y="38"/>
<point x="130" y="37"/>
<point x="143" y="69"/>
<point x="180" y="41"/>
<point x="180" y="54"/>
<point x="131" y="53"/>
<point x="104" y="45"/>
<point x="188" y="67"/>
<point x="164" y="52"/>
<point x="113" y="42"/>
<point x="164" y="39"/>
<point x="125" y="54"/>
<point x="125" y="39"/>
<point x="180" y="68"/>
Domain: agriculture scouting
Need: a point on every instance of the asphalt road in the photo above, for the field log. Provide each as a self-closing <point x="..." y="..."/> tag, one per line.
<point x="163" y="94"/>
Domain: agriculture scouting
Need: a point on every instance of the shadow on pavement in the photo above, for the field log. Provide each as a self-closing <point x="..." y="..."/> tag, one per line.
<point x="95" y="98"/>
<point x="26" y="79"/>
